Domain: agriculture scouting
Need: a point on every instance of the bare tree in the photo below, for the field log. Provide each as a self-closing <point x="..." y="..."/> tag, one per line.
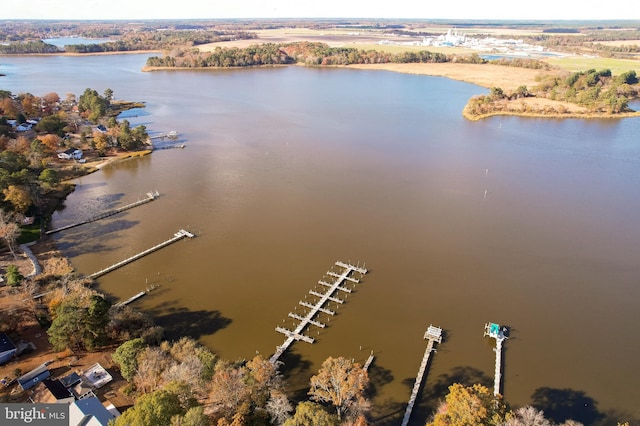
<point x="279" y="407"/>
<point x="9" y="233"/>
<point x="528" y="416"/>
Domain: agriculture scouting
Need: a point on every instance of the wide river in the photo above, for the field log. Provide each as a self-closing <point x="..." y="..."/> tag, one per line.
<point x="530" y="223"/>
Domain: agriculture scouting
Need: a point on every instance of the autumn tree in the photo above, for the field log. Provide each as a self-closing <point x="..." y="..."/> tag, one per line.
<point x="467" y="406"/>
<point x="30" y="103"/>
<point x="228" y="390"/>
<point x="152" y="362"/>
<point x="342" y="383"/>
<point x="100" y="142"/>
<point x="184" y="361"/>
<point x="19" y="197"/>
<point x="51" y="141"/>
<point x="247" y="388"/>
<point x="50" y="101"/>
<point x="9" y="107"/>
<point x="310" y="413"/>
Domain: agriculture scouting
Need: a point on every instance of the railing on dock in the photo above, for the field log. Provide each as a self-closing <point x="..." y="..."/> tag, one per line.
<point x="176" y="237"/>
<point x="433" y="334"/>
<point x="150" y="197"/>
<point x="319" y="306"/>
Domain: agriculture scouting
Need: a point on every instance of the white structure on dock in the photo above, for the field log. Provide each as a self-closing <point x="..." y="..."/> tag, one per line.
<point x="433" y="334"/>
<point x="499" y="333"/>
<point x="318" y="306"/>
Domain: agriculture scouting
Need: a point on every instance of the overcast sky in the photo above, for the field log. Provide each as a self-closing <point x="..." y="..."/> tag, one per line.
<point x="217" y="9"/>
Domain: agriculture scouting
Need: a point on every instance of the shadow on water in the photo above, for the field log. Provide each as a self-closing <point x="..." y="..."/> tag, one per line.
<point x="93" y="238"/>
<point x="296" y="372"/>
<point x="560" y="405"/>
<point x="435" y="391"/>
<point x="179" y="322"/>
<point x="378" y="377"/>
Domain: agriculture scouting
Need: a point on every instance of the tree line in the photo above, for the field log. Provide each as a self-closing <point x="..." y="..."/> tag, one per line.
<point x="596" y="91"/>
<point x="307" y="53"/>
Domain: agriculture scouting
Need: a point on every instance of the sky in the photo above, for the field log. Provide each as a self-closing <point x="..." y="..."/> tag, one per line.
<point x="392" y="9"/>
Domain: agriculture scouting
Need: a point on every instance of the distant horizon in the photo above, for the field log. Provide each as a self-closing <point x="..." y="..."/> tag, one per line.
<point x="491" y="10"/>
<point x="320" y="18"/>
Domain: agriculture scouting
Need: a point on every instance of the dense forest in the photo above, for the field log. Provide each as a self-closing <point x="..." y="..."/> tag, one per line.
<point x="307" y="53"/>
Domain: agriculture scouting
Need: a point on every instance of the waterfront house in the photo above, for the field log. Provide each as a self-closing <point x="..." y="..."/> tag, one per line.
<point x="89" y="412"/>
<point x="33" y="377"/>
<point x="52" y="392"/>
<point x="70" y="154"/>
<point x="101" y="128"/>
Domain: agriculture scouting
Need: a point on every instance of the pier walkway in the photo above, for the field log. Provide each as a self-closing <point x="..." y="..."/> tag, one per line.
<point x="369" y="361"/>
<point x="318" y="306"/>
<point x="150" y="197"/>
<point x="499" y="333"/>
<point x="433" y="334"/>
<point x="176" y="237"/>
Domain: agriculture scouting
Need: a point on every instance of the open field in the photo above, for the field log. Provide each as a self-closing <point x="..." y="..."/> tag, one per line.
<point x="485" y="75"/>
<point x="579" y="63"/>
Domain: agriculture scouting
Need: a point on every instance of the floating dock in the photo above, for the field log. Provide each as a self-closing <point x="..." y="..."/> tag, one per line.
<point x="309" y="318"/>
<point x="176" y="237"/>
<point x="499" y="333"/>
<point x="433" y="334"/>
<point x="150" y="197"/>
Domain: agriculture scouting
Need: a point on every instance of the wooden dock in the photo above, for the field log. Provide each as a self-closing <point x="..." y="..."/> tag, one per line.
<point x="369" y="361"/>
<point x="131" y="299"/>
<point x="176" y="237"/>
<point x="433" y="334"/>
<point x="309" y="318"/>
<point x="150" y="197"/>
<point x="499" y="333"/>
<point x="171" y="135"/>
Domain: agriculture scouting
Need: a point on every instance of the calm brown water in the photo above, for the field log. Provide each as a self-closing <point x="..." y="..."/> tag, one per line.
<point x="288" y="170"/>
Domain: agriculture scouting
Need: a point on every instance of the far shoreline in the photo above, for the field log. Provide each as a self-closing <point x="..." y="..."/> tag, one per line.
<point x="482" y="75"/>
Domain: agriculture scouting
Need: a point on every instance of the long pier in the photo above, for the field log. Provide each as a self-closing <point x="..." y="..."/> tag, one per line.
<point x="176" y="237"/>
<point x="150" y="197"/>
<point x="317" y="307"/>
<point x="433" y="334"/>
<point x="499" y="333"/>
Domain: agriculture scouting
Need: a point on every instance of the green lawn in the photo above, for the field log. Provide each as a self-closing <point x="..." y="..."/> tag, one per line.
<point x="617" y="66"/>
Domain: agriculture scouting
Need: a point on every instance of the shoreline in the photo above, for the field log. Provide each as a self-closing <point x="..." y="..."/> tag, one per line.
<point x="483" y="75"/>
